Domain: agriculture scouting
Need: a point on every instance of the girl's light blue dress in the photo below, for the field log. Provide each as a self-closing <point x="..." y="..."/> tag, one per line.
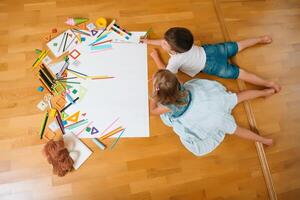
<point x="203" y="124"/>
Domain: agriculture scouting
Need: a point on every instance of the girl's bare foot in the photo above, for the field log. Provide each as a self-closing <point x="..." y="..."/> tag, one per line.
<point x="269" y="92"/>
<point x="266" y="39"/>
<point x="275" y="86"/>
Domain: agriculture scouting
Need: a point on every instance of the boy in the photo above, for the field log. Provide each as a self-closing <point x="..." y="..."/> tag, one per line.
<point x="211" y="59"/>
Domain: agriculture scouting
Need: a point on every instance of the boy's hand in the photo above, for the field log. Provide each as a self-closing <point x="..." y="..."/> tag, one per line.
<point x="154" y="53"/>
<point x="143" y="40"/>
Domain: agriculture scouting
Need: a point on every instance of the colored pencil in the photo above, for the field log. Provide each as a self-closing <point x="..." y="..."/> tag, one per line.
<point x="67" y="106"/>
<point x="77" y="75"/>
<point x="82" y="32"/>
<point x="61" y="42"/>
<point x="102" y="42"/>
<point x="110" y="125"/>
<point x="71" y="42"/>
<point x="76" y="72"/>
<point x="148" y="31"/>
<point x="44" y="125"/>
<point x="64" y="67"/>
<point x="111" y="133"/>
<point x="39" y="59"/>
<point x="116" y="141"/>
<point x="65" y="78"/>
<point x="99" y="39"/>
<point x="65" y="42"/>
<point x="59" y="121"/>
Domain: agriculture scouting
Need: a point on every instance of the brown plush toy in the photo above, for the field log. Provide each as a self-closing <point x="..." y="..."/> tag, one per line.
<point x="59" y="157"/>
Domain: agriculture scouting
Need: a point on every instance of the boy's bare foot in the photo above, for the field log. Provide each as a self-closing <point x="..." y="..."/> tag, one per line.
<point x="266" y="39"/>
<point x="269" y="92"/>
<point x="268" y="142"/>
<point x="275" y="86"/>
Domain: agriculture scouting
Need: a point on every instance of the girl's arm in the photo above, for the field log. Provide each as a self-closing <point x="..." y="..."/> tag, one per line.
<point x="152" y="42"/>
<point x="158" y="61"/>
<point x="156" y="109"/>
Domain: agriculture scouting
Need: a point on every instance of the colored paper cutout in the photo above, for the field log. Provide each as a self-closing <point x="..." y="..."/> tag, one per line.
<point x="74" y="117"/>
<point x="94" y="131"/>
<point x="74" y="54"/>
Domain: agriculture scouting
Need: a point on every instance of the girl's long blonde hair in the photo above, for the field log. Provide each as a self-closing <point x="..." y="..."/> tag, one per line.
<point x="167" y="88"/>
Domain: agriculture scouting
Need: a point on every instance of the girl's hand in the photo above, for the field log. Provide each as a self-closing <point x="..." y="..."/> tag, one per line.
<point x="154" y="53"/>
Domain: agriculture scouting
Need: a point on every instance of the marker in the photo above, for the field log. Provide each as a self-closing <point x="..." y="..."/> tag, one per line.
<point x="44" y="125"/>
<point x="69" y="105"/>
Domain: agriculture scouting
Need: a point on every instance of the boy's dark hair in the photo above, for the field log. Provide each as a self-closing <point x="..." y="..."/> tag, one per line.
<point x="180" y="39"/>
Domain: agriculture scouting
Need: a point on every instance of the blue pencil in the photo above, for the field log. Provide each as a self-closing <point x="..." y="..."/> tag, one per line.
<point x="115" y="142"/>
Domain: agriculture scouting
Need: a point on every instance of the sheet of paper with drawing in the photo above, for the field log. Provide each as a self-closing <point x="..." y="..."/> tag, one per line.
<point x="63" y="43"/>
<point x="113" y="89"/>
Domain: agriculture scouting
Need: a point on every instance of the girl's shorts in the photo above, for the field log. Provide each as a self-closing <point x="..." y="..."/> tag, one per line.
<point x="217" y="60"/>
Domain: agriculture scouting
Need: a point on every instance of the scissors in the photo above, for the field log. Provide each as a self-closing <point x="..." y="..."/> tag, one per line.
<point x="47" y="98"/>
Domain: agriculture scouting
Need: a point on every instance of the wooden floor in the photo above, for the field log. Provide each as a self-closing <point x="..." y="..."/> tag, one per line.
<point x="157" y="167"/>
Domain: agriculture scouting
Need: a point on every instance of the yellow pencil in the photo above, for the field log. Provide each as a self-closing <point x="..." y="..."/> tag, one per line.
<point x="40" y="58"/>
<point x="99" y="77"/>
<point x="117" y="130"/>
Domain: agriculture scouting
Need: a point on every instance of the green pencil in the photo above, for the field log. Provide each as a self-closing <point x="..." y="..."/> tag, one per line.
<point x="74" y="82"/>
<point x="148" y="31"/>
<point x="44" y="125"/>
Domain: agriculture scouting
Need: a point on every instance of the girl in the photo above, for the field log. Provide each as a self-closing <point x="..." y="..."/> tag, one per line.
<point x="200" y="111"/>
<point x="58" y="156"/>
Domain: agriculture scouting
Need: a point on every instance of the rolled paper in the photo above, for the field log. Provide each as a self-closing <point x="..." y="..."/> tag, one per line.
<point x="98" y="143"/>
<point x="76" y="21"/>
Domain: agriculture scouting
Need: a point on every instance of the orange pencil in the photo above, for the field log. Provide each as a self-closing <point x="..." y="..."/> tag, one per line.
<point x="112" y="133"/>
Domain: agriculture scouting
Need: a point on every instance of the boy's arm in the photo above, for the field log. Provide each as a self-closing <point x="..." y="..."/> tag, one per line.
<point x="158" y="61"/>
<point x="157" y="109"/>
<point x="152" y="42"/>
